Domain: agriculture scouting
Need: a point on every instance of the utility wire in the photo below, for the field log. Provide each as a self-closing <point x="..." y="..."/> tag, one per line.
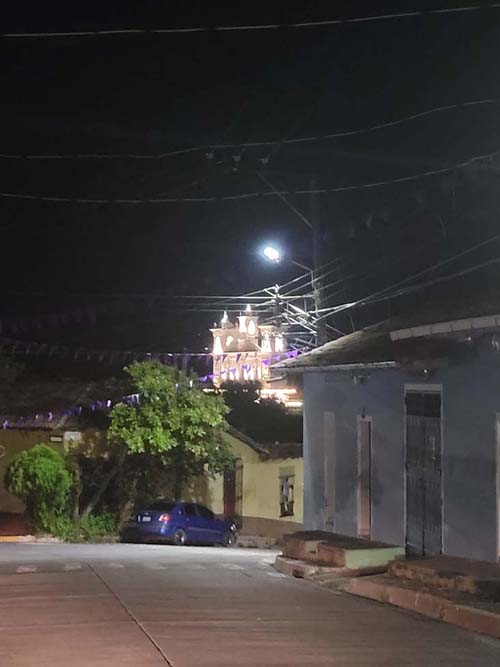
<point x="437" y="265"/>
<point x="252" y="144"/>
<point x="252" y="195"/>
<point x="129" y="32"/>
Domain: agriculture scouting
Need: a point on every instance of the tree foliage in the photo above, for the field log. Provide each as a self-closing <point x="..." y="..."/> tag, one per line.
<point x="39" y="477"/>
<point x="264" y="420"/>
<point x="174" y="420"/>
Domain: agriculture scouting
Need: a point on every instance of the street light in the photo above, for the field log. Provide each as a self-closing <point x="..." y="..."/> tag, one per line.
<point x="274" y="254"/>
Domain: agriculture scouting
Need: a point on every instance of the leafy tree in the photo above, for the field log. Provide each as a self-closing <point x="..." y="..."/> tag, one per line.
<point x="39" y="477"/>
<point x="174" y="424"/>
<point x="264" y="420"/>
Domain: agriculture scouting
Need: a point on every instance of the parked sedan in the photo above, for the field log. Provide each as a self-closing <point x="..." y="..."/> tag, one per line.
<point x="179" y="523"/>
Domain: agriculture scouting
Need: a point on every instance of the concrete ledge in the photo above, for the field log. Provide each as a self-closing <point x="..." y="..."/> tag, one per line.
<point x="30" y="539"/>
<point x="465" y="615"/>
<point x="255" y="542"/>
<point x="304" y="569"/>
<point x="335" y="550"/>
<point x="449" y="573"/>
<point x="271" y="528"/>
<point x="301" y="568"/>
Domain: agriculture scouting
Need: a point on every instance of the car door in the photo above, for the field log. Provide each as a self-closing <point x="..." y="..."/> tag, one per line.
<point x="191" y="521"/>
<point x="209" y="526"/>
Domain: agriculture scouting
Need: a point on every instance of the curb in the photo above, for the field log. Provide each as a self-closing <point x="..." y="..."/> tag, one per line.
<point x="433" y="606"/>
<point x="302" y="569"/>
<point x="29" y="539"/>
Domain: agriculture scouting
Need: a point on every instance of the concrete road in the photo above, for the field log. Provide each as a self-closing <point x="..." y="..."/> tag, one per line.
<point x="147" y="606"/>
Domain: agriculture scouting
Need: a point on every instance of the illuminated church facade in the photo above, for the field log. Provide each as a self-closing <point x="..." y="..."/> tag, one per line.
<point x="244" y="351"/>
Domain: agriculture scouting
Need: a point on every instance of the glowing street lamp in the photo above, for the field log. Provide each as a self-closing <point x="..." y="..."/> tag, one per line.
<point x="272" y="254"/>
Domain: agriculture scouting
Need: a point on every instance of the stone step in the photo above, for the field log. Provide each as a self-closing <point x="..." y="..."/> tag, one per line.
<point x="451" y="574"/>
<point x="335" y="550"/>
<point x="255" y="542"/>
<point x="458" y="609"/>
<point x="300" y="568"/>
<point x="303" y="569"/>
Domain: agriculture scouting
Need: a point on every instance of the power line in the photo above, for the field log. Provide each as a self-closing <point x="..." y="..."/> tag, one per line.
<point x="129" y="32"/>
<point x="383" y="292"/>
<point x="252" y="195"/>
<point x="251" y="144"/>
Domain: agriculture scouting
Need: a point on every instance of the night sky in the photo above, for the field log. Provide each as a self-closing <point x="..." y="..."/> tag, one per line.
<point x="150" y="94"/>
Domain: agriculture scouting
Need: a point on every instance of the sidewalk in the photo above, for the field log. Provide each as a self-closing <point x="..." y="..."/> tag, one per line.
<point x="462" y="592"/>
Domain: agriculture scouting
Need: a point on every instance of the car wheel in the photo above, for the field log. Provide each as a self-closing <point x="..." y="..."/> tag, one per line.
<point x="180" y="537"/>
<point x="229" y="539"/>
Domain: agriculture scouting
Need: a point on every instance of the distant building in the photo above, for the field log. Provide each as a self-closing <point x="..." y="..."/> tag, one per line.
<point x="244" y="351"/>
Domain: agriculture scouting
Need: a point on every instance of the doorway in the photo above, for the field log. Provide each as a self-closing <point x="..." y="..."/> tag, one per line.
<point x="329" y="465"/>
<point x="233" y="490"/>
<point x="364" y="491"/>
<point x="498" y="482"/>
<point x="424" y="522"/>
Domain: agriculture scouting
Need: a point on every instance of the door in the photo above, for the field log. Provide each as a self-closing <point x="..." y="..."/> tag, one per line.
<point x="192" y="523"/>
<point x="364" y="491"/>
<point x="207" y="524"/>
<point x="423" y="473"/>
<point x="329" y="463"/>
<point x="233" y="490"/>
<point x="498" y="484"/>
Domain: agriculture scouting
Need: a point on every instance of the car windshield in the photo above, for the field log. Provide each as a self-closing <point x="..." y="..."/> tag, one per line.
<point x="162" y="506"/>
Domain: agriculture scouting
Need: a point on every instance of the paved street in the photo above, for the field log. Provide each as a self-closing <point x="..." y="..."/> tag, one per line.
<point x="93" y="605"/>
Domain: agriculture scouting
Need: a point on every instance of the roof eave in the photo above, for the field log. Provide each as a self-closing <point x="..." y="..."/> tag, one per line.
<point x="341" y="367"/>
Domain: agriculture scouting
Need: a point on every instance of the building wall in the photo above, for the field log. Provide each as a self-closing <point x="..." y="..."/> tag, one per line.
<point x="261" y="485"/>
<point x="470" y="403"/>
<point x="261" y="490"/>
<point x="14" y="441"/>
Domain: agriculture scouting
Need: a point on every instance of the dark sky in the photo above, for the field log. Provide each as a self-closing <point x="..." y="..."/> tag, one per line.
<point x="155" y="93"/>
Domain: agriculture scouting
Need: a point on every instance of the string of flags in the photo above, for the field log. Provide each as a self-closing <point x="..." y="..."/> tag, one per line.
<point x="40" y="418"/>
<point x="476" y="159"/>
<point x="184" y="360"/>
<point x="179" y="359"/>
<point x="84" y="315"/>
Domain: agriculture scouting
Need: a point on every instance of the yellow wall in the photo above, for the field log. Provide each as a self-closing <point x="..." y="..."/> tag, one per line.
<point x="261" y="485"/>
<point x="14" y="441"/>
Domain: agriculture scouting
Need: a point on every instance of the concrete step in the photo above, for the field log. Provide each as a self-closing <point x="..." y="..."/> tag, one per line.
<point x="255" y="542"/>
<point x="335" y="550"/>
<point x="458" y="609"/>
<point x="452" y="574"/>
<point x="303" y="569"/>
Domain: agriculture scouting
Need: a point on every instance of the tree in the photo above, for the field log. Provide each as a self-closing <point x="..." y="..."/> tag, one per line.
<point x="264" y="420"/>
<point x="38" y="476"/>
<point x="173" y="422"/>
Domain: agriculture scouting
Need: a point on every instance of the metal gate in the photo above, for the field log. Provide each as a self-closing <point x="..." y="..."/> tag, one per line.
<point x="423" y="473"/>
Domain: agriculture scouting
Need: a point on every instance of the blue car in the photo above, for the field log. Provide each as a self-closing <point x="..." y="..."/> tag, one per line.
<point x="179" y="523"/>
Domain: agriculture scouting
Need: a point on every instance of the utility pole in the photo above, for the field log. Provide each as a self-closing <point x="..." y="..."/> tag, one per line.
<point x="314" y="227"/>
<point x="314" y="218"/>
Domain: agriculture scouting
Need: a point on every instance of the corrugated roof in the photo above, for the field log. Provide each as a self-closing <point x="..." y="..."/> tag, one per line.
<point x="373" y="345"/>
<point x="279" y="450"/>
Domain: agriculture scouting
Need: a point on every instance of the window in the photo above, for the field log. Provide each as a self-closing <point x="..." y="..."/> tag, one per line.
<point x="204" y="512"/>
<point x="287" y="491"/>
<point x="190" y="510"/>
<point x="162" y="506"/>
